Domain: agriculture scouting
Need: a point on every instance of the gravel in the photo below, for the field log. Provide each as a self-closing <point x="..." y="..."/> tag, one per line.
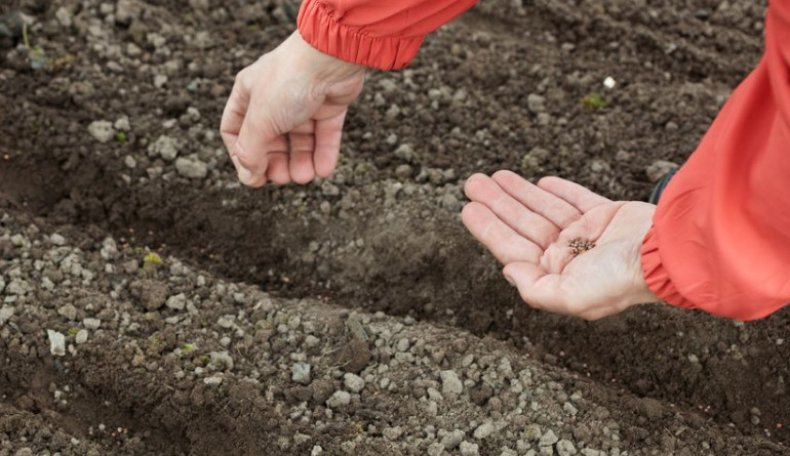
<point x="338" y="399"/>
<point x="300" y="373"/>
<point x="101" y="130"/>
<point x="451" y="384"/>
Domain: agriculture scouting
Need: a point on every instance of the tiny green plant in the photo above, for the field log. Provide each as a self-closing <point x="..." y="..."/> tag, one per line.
<point x="151" y="260"/>
<point x="594" y="101"/>
<point x="72" y="332"/>
<point x="187" y="347"/>
<point x="38" y="58"/>
<point x="121" y="137"/>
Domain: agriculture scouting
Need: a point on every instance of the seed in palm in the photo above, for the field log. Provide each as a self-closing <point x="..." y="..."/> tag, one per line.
<point x="580" y="245"/>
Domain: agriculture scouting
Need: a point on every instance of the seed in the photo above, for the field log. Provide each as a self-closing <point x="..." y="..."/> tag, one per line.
<point x="580" y="245"/>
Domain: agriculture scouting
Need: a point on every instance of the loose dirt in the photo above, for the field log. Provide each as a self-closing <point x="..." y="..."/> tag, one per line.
<point x="353" y="315"/>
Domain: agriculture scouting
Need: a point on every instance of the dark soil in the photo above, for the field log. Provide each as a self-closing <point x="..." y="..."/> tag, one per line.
<point x="502" y="88"/>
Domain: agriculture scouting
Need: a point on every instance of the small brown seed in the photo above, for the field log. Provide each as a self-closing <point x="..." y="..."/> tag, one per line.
<point x="580" y="245"/>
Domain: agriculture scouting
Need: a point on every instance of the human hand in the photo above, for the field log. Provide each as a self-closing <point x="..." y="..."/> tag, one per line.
<point x="529" y="227"/>
<point x="284" y="118"/>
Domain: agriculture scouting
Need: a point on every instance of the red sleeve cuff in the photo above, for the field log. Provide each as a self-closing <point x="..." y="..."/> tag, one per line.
<point x="656" y="275"/>
<point x="323" y="31"/>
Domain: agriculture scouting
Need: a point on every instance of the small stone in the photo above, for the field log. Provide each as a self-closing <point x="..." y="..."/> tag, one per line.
<point x="64" y="17"/>
<point x="403" y="345"/>
<point x="452" y="439"/>
<point x="57" y="343"/>
<point x="57" y="239"/>
<point x="101" y="130"/>
<point x="536" y="103"/>
<point x="508" y="452"/>
<point x="659" y="169"/>
<point x="130" y="162"/>
<point x="353" y="382"/>
<point x="469" y="449"/>
<point x="91" y="323"/>
<point x="609" y="82"/>
<point x="166" y="147"/>
<point x="566" y="448"/>
<point x="392" y="433"/>
<point x="213" y="380"/>
<point x="317" y="451"/>
<point x="177" y="302"/>
<point x="220" y="361"/>
<point x="122" y="124"/>
<point x="338" y="400"/>
<point x="300" y="373"/>
<point x="548" y="439"/>
<point x="68" y="311"/>
<point x="81" y="337"/>
<point x="6" y="312"/>
<point x="451" y="384"/>
<point x="484" y="430"/>
<point x="570" y="409"/>
<point x="191" y="168"/>
<point x="532" y="432"/>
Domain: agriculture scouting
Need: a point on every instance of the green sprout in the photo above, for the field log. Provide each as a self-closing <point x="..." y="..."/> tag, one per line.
<point x="38" y="58"/>
<point x="72" y="332"/>
<point x="593" y="101"/>
<point x="121" y="137"/>
<point x="151" y="260"/>
<point x="187" y="347"/>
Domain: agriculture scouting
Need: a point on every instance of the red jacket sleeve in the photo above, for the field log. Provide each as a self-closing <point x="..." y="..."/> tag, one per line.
<point x="379" y="34"/>
<point x="720" y="240"/>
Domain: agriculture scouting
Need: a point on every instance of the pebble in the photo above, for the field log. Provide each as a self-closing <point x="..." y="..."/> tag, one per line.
<point x="570" y="409"/>
<point x="177" y="302"/>
<point x="452" y="439"/>
<point x="191" y="168"/>
<point x="469" y="449"/>
<point x="57" y="239"/>
<point x="484" y="430"/>
<point x="353" y="382"/>
<point x="565" y="448"/>
<point x="392" y="433"/>
<point x="165" y="147"/>
<point x="91" y="323"/>
<point x="300" y="373"/>
<point x="6" y="312"/>
<point x="68" y="311"/>
<point x="532" y="432"/>
<point x="57" y="343"/>
<point x="338" y="399"/>
<point x="451" y="384"/>
<point x="64" y="17"/>
<point x="658" y="169"/>
<point x="220" y="361"/>
<point x="609" y="83"/>
<point x="81" y="337"/>
<point x="101" y="130"/>
<point x="548" y="439"/>
<point x="317" y="451"/>
<point x="536" y="103"/>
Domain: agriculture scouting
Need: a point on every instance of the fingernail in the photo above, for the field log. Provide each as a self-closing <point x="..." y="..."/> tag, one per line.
<point x="510" y="281"/>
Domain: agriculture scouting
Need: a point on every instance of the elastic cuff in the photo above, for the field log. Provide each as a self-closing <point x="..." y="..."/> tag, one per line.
<point x="323" y="31"/>
<point x="657" y="277"/>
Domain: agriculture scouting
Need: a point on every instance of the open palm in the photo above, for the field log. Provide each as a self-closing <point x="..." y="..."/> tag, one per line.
<point x="529" y="229"/>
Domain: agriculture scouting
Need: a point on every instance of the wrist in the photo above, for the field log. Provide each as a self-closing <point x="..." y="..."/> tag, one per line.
<point x="320" y="67"/>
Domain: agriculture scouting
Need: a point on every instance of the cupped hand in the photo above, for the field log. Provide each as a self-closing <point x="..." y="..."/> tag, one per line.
<point x="529" y="228"/>
<point x="284" y="119"/>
